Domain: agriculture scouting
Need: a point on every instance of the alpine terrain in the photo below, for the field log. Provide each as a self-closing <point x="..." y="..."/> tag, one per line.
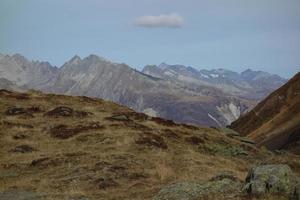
<point x="80" y="148"/>
<point x="183" y="94"/>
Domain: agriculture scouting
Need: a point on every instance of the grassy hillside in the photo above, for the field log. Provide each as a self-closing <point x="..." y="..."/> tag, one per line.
<point x="66" y="147"/>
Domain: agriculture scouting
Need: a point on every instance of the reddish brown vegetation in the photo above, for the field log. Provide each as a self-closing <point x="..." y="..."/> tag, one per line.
<point x="65" y="132"/>
<point x="12" y="124"/>
<point x="106" y="182"/>
<point x="23" y="149"/>
<point x="17" y="111"/>
<point x="63" y="111"/>
<point x="164" y="122"/>
<point x="152" y="140"/>
<point x="18" y="96"/>
<point x="195" y="140"/>
<point x="170" y="134"/>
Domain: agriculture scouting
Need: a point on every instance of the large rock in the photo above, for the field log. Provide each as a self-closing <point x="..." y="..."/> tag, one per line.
<point x="276" y="179"/>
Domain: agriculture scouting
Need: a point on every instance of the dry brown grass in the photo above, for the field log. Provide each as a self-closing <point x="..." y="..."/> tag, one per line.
<point x="72" y="167"/>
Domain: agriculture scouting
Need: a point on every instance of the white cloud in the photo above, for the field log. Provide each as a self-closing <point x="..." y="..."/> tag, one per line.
<point x="172" y="20"/>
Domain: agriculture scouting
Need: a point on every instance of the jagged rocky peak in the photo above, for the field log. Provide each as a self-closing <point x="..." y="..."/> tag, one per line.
<point x="18" y="58"/>
<point x="220" y="71"/>
<point x="163" y="66"/>
<point x="92" y="58"/>
<point x="75" y="60"/>
<point x="176" y="67"/>
<point x="96" y="58"/>
<point x="251" y="74"/>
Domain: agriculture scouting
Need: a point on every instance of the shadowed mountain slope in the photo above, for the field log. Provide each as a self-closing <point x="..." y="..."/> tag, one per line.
<point x="275" y="122"/>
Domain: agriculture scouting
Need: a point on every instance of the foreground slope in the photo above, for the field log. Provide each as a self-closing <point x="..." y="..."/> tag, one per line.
<point x="66" y="147"/>
<point x="275" y="122"/>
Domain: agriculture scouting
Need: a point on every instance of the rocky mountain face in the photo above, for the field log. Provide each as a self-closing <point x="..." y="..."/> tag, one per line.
<point x="8" y="85"/>
<point x="183" y="94"/>
<point x="33" y="74"/>
<point x="97" y="77"/>
<point x="74" y="147"/>
<point x="275" y="122"/>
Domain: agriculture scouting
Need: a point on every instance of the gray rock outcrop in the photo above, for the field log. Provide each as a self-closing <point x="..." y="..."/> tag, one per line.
<point x="275" y="179"/>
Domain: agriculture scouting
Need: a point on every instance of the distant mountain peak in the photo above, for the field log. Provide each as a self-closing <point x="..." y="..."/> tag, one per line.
<point x="247" y="70"/>
<point x="75" y="60"/>
<point x="96" y="58"/>
<point x="76" y="57"/>
<point x="250" y="74"/>
<point x="93" y="56"/>
<point x="163" y="65"/>
<point x="19" y="57"/>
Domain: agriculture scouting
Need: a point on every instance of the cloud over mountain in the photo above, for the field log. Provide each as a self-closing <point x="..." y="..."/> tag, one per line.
<point x="172" y="20"/>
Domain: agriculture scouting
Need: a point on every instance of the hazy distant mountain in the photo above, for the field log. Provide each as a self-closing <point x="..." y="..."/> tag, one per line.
<point x="249" y="84"/>
<point x="183" y="94"/>
<point x="9" y="85"/>
<point x="33" y="74"/>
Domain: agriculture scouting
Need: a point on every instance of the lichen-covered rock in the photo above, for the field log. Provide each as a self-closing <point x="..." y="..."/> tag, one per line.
<point x="199" y="190"/>
<point x="276" y="179"/>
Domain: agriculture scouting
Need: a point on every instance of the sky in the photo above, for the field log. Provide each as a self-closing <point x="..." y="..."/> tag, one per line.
<point x="232" y="34"/>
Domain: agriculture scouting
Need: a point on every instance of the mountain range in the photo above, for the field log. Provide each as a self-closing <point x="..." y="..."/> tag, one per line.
<point x="183" y="94"/>
<point x="57" y="146"/>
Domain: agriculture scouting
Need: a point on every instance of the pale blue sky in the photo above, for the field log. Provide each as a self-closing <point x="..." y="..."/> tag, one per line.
<point x="232" y="34"/>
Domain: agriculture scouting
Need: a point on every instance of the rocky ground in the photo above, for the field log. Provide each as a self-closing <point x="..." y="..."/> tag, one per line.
<point x="65" y="147"/>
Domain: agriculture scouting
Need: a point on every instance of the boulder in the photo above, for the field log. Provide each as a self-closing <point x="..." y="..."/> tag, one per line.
<point x="274" y="179"/>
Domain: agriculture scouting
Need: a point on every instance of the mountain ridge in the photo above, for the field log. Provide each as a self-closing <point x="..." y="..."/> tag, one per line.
<point x="246" y="80"/>
<point x="166" y="97"/>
